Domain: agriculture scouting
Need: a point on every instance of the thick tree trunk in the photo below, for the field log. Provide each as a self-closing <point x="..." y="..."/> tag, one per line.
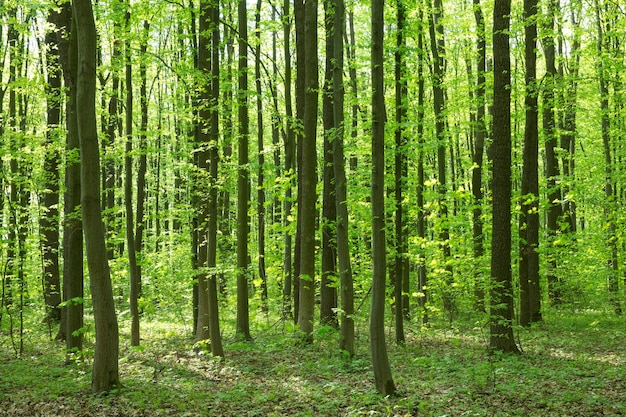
<point x="105" y="367"/>
<point x="308" y="174"/>
<point x="380" y="361"/>
<point x="501" y="309"/>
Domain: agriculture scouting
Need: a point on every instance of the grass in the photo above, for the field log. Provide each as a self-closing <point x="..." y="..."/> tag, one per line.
<point x="573" y="365"/>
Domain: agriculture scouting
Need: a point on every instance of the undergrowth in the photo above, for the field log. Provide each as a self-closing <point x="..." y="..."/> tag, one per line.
<point x="572" y="365"/>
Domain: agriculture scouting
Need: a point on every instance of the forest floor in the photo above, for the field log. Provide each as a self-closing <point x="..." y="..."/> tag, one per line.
<point x="574" y="364"/>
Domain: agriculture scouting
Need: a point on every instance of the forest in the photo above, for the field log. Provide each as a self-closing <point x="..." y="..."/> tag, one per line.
<point x="312" y="208"/>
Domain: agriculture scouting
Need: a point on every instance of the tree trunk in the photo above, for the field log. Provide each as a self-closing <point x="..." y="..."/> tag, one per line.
<point x="328" y="291"/>
<point x="261" y="211"/>
<point x="501" y="309"/>
<point x="105" y="367"/>
<point x="243" y="179"/>
<point x="290" y="149"/>
<point x="400" y="172"/>
<point x="308" y="174"/>
<point x="439" y="102"/>
<point x="422" y="278"/>
<point x="552" y="163"/>
<point x="611" y="239"/>
<point x="477" y="157"/>
<point x="530" y="300"/>
<point x="346" y="341"/>
<point x="72" y="225"/>
<point x="49" y="222"/>
<point x="382" y="371"/>
<point x="128" y="195"/>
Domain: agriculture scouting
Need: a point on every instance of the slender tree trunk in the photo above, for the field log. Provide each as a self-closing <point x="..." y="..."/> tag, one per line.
<point x="530" y="301"/>
<point x="72" y="224"/>
<point x="439" y="102"/>
<point x="380" y="361"/>
<point x="243" y="179"/>
<point x="105" y="374"/>
<point x="477" y="156"/>
<point x="346" y="341"/>
<point x="290" y="150"/>
<point x="400" y="172"/>
<point x="501" y="306"/>
<point x="213" y="307"/>
<point x="143" y="157"/>
<point x="49" y="222"/>
<point x="328" y="291"/>
<point x="552" y="163"/>
<point x="261" y="211"/>
<point x="128" y="195"/>
<point x="611" y="240"/>
<point x="308" y="173"/>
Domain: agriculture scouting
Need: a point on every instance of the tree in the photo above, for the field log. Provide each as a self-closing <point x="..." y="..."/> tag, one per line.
<point x="243" y="179"/>
<point x="49" y="222"/>
<point x="400" y="173"/>
<point x="530" y="301"/>
<point x="308" y="174"/>
<point x="328" y="290"/>
<point x="346" y="341"/>
<point x="501" y="298"/>
<point x="552" y="163"/>
<point x="128" y="194"/>
<point x="477" y="153"/>
<point x="105" y="367"/>
<point x="382" y="371"/>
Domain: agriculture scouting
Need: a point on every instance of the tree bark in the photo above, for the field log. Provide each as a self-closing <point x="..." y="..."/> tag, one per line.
<point x="308" y="174"/>
<point x="501" y="308"/>
<point x="530" y="301"/>
<point x="243" y="179"/>
<point x="49" y="222"/>
<point x="328" y="291"/>
<point x="380" y="361"/>
<point x="105" y="367"/>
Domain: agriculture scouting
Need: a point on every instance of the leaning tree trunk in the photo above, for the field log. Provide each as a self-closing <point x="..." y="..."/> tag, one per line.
<point x="105" y="366"/>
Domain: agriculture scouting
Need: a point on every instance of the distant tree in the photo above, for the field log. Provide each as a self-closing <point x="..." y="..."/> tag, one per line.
<point x="501" y="298"/>
<point x="380" y="361"/>
<point x="105" y="367"/>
